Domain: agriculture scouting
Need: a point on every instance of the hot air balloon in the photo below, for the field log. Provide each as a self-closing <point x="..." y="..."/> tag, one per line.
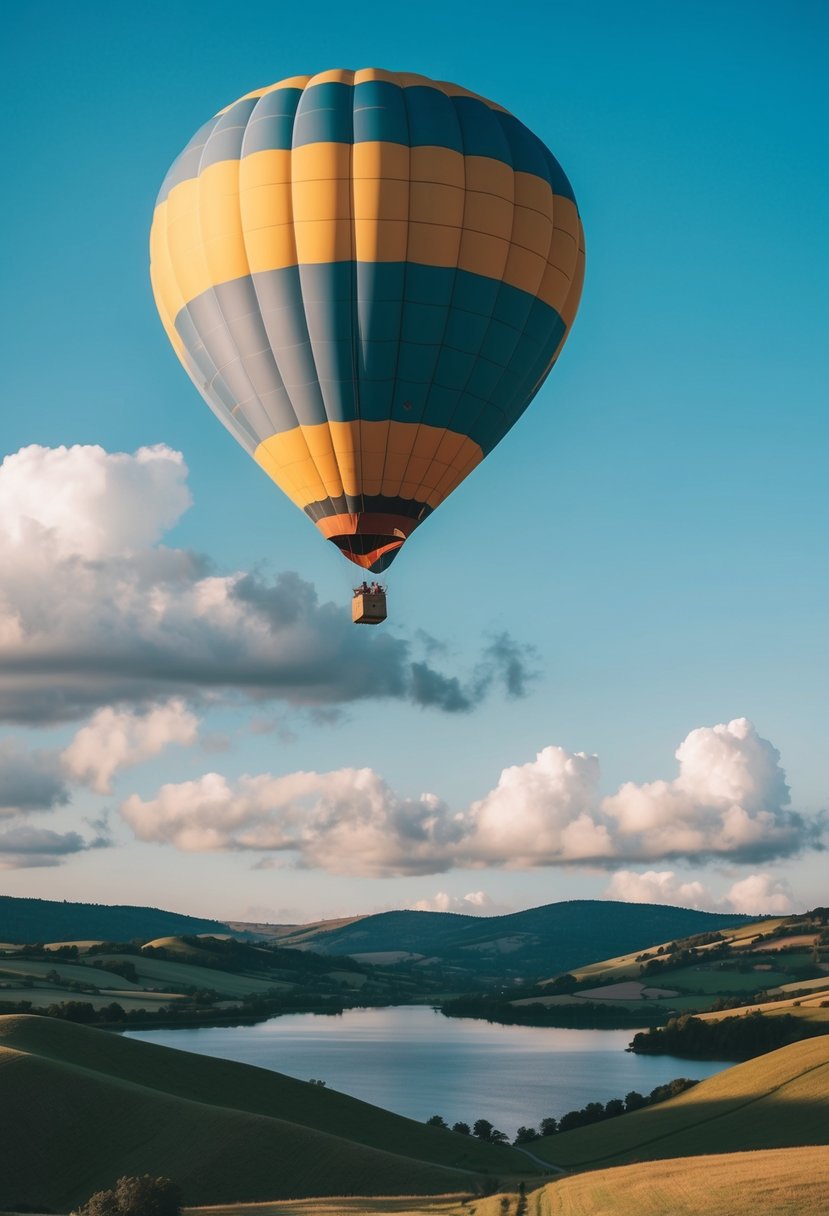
<point x="368" y="276"/>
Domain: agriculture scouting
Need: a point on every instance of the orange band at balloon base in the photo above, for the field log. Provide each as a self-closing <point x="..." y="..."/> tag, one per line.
<point x="369" y="539"/>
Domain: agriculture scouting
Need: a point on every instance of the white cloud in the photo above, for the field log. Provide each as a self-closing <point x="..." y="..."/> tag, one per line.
<point x="760" y="893"/>
<point x="94" y="612"/>
<point x="122" y="738"/>
<point x="85" y="502"/>
<point x="730" y="799"/>
<point x="345" y="822"/>
<point x="756" y="894"/>
<point x="658" y="887"/>
<point x="475" y="903"/>
<point x="543" y="813"/>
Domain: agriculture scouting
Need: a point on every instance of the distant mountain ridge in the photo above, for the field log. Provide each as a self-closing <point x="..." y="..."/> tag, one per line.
<point x="535" y="943"/>
<point x="24" y="921"/>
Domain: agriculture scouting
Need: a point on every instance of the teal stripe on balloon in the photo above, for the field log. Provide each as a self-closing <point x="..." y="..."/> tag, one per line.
<point x="319" y="343"/>
<point x="415" y="116"/>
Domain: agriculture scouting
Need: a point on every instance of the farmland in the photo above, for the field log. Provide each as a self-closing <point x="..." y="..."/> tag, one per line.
<point x="198" y="979"/>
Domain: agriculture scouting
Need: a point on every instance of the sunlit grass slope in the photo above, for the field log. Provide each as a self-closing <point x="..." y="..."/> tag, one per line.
<point x="777" y="1100"/>
<point x="777" y="1182"/>
<point x="97" y="1106"/>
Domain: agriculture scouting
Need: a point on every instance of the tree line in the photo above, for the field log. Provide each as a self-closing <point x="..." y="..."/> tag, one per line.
<point x="593" y="1112"/>
<point x="732" y="1038"/>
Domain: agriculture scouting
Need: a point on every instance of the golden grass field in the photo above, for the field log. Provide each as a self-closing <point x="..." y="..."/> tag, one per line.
<point x="775" y="1182"/>
<point x="778" y="1100"/>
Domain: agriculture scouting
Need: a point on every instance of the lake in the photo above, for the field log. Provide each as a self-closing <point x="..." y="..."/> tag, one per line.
<point x="415" y="1061"/>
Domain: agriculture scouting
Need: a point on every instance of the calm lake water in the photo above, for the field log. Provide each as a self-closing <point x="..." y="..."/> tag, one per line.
<point x="414" y="1061"/>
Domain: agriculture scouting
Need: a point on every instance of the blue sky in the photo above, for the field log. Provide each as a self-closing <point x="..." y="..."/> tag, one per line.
<point x="655" y="526"/>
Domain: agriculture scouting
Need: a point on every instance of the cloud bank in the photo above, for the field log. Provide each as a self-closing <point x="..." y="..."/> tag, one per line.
<point x="94" y="611"/>
<point x="755" y="894"/>
<point x="729" y="802"/>
<point x="29" y="780"/>
<point x="34" y="781"/>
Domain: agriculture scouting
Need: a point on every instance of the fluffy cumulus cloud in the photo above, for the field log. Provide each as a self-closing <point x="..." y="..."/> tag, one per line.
<point x="658" y="887"/>
<point x="760" y="893"/>
<point x="544" y="813"/>
<point x="94" y="611"/>
<point x="730" y="799"/>
<point x="121" y="738"/>
<point x="475" y="903"/>
<point x="755" y="894"/>
<point x="345" y="822"/>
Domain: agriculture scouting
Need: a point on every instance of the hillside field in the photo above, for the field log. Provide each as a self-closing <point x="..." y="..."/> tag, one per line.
<point x="776" y="1182"/>
<point x="107" y="1106"/>
<point x="778" y="1100"/>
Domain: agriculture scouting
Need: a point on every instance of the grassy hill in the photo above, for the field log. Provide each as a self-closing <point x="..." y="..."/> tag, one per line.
<point x="783" y="959"/>
<point x="195" y="978"/>
<point x="780" y="1182"/>
<point x="775" y="1182"/>
<point x="538" y="941"/>
<point x="101" y="1106"/>
<point x="24" y="921"/>
<point x="778" y="1100"/>
<point x="473" y="950"/>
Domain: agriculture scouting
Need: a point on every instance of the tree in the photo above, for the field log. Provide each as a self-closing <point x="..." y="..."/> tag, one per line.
<point x="463" y="1129"/>
<point x="548" y="1127"/>
<point x="483" y="1129"/>
<point x="436" y="1121"/>
<point x="634" y="1100"/>
<point x="525" y="1135"/>
<point x="133" y="1196"/>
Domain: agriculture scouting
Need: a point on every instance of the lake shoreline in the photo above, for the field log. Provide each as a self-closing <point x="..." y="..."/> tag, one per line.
<point x="412" y="1060"/>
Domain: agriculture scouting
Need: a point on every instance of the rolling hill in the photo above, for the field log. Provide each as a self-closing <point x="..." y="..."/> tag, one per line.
<point x="97" y="1106"/>
<point x="25" y="921"/>
<point x="776" y="1182"/>
<point x="779" y="1182"/>
<point x="778" y="1100"/>
<point x="538" y="941"/>
<point x="478" y="949"/>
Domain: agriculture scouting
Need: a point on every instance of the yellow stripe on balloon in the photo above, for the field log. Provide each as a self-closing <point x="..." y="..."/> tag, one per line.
<point x="396" y="459"/>
<point x="373" y="202"/>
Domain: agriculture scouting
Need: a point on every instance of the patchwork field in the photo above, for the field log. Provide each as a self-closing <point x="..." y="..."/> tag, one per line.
<point x="201" y="975"/>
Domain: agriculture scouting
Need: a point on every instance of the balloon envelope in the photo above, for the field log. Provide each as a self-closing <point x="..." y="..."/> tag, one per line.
<point x="368" y="276"/>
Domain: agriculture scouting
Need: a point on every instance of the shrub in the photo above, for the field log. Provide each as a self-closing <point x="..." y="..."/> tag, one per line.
<point x="133" y="1196"/>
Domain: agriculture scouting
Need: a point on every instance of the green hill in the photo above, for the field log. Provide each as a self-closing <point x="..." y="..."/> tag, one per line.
<point x="96" y="1106"/>
<point x="481" y="949"/>
<point x="536" y="942"/>
<point x="778" y="1100"/>
<point x="44" y="920"/>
